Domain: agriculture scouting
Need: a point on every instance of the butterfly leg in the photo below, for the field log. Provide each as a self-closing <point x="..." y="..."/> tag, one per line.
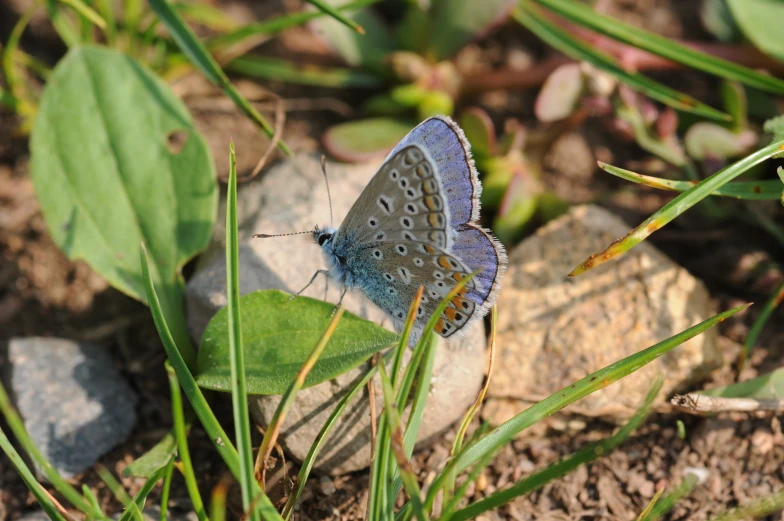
<point x="313" y="278"/>
<point x="345" y="290"/>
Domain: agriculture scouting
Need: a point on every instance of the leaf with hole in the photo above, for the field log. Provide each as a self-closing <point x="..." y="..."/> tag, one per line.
<point x="116" y="161"/>
<point x="278" y="334"/>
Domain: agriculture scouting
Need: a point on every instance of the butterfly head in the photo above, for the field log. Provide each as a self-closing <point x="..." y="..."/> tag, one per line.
<point x="324" y="236"/>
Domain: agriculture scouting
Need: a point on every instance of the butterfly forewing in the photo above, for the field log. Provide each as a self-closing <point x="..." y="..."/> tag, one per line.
<point x="403" y="201"/>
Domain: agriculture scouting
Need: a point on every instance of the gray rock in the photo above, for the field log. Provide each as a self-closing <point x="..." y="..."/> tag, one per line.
<point x="553" y="330"/>
<point x="292" y="197"/>
<point x="74" y="403"/>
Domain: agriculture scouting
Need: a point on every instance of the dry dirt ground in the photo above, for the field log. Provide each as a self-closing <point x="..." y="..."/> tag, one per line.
<point x="43" y="293"/>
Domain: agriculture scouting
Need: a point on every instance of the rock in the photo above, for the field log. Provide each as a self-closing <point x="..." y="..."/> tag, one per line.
<point x="552" y="330"/>
<point x="292" y="197"/>
<point x="75" y="404"/>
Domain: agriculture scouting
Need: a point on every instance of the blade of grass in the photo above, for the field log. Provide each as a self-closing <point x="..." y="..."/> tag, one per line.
<point x="757" y="508"/>
<point x="63" y="25"/>
<point x="563" y="467"/>
<point x="136" y="506"/>
<point x="107" y="13"/>
<point x="765" y="190"/>
<point x="395" y="433"/>
<point x="166" y="490"/>
<point x="184" y="453"/>
<point x="218" y="436"/>
<point x="275" y="25"/>
<point x="424" y="351"/>
<point x="17" y="427"/>
<point x="337" y="15"/>
<point x="321" y="438"/>
<point x="662" y="46"/>
<point x="506" y="432"/>
<point x="649" y="507"/>
<point x="25" y="106"/>
<point x="239" y="395"/>
<point x="287" y="400"/>
<point x="531" y="18"/>
<point x="677" y="206"/>
<point x="195" y="51"/>
<point x="457" y="445"/>
<point x="133" y="14"/>
<point x="218" y="503"/>
<point x="275" y="69"/>
<point x="666" y="503"/>
<point x="759" y="323"/>
<point x="37" y="490"/>
<point x="207" y="15"/>
<point x="86" y="11"/>
<point x="90" y="497"/>
<point x="119" y="492"/>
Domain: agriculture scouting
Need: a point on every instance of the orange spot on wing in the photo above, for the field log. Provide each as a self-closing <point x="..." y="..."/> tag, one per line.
<point x="439" y="325"/>
<point x="450" y="314"/>
<point x="443" y="261"/>
<point x="430" y="249"/>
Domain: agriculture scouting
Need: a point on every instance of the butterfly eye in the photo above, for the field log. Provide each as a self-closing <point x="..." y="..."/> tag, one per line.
<point x="323" y="238"/>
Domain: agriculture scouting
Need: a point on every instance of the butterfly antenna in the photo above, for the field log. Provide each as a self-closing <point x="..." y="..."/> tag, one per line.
<point x="267" y="236"/>
<point x="326" y="181"/>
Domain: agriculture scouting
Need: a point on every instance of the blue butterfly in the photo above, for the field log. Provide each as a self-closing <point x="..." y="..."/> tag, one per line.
<point x="416" y="223"/>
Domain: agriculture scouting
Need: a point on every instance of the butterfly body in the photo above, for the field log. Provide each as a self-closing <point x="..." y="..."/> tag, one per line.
<point x="415" y="224"/>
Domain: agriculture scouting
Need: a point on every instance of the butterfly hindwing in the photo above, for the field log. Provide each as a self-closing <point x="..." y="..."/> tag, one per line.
<point x="402" y="266"/>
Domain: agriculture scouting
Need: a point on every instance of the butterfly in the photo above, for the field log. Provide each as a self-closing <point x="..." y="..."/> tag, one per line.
<point x="416" y="224"/>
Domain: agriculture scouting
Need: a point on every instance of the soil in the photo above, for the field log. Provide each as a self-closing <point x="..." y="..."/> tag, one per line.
<point x="43" y="293"/>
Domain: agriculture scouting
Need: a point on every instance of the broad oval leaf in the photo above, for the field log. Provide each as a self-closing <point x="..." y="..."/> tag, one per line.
<point x="278" y="334"/>
<point x="760" y="21"/>
<point x="116" y="161"/>
<point x="365" y="139"/>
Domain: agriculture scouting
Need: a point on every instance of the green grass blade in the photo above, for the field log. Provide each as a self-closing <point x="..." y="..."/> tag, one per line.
<point x="666" y="503"/>
<point x="38" y="491"/>
<point x="136" y="505"/>
<point x="395" y="432"/>
<point x="166" y="490"/>
<point x="90" y="497"/>
<point x="757" y="508"/>
<point x="218" y="436"/>
<point x="24" y="104"/>
<point x="337" y="15"/>
<point x="677" y="206"/>
<point x="766" y="190"/>
<point x="17" y="427"/>
<point x="506" y="432"/>
<point x="321" y="438"/>
<point x="563" y="467"/>
<point x="218" y="503"/>
<point x="207" y="15"/>
<point x="287" y="400"/>
<point x="195" y="51"/>
<point x="239" y="395"/>
<point x="182" y="446"/>
<point x="86" y="11"/>
<point x="585" y="16"/>
<point x="119" y="493"/>
<point x="265" y="68"/>
<point x="106" y="11"/>
<point x="759" y="323"/>
<point x="531" y="17"/>
<point x="275" y="25"/>
<point x="153" y="459"/>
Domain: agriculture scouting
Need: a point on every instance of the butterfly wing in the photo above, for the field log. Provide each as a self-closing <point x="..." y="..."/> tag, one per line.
<point x="450" y="151"/>
<point x="397" y="269"/>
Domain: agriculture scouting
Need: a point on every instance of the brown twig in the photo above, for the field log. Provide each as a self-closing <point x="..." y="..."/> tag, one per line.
<point x="58" y="506"/>
<point x="280" y="121"/>
<point x="694" y="403"/>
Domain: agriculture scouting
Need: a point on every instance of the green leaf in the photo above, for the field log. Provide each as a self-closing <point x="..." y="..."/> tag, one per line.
<point x="751" y="190"/>
<point x="116" y="161"/>
<point x="365" y="139"/>
<point x="141" y="497"/>
<point x="585" y="16"/>
<point x="356" y="49"/>
<point x="154" y="459"/>
<point x="760" y="21"/>
<point x="278" y="335"/>
<point x="282" y="70"/>
<point x="766" y="387"/>
<point x="454" y="23"/>
<point x="479" y="131"/>
<point x="717" y="19"/>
